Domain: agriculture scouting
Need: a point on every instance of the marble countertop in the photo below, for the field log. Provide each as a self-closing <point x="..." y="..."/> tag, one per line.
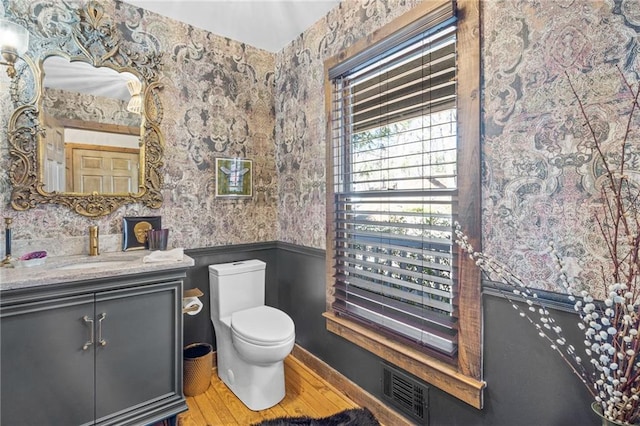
<point x="64" y="269"/>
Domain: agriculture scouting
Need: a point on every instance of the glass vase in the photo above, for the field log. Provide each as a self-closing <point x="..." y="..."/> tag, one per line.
<point x="595" y="406"/>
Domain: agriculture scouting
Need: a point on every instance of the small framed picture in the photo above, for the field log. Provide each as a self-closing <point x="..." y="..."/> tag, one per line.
<point x="134" y="231"/>
<point x="234" y="177"/>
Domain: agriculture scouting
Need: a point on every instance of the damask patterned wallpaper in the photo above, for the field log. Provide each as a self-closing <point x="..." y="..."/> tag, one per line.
<point x="218" y="102"/>
<point x="538" y="168"/>
<point x="300" y="120"/>
<point x="223" y="98"/>
<point x="81" y="106"/>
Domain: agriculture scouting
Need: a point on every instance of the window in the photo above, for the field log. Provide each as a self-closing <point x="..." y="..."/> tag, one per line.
<point x="398" y="184"/>
<point x="395" y="182"/>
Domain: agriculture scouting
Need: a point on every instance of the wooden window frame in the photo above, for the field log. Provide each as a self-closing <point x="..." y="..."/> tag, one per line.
<point x="464" y="380"/>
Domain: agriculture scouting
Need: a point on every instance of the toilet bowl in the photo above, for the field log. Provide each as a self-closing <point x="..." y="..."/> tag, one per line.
<point x="262" y="335"/>
<point x="252" y="339"/>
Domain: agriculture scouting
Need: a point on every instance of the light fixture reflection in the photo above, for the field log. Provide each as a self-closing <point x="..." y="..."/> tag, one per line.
<point x="14" y="42"/>
<point x="135" y="103"/>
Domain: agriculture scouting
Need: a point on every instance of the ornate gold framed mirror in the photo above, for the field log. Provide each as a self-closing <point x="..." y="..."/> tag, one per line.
<point x="85" y="131"/>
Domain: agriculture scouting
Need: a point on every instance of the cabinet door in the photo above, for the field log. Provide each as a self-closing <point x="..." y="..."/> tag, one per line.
<point x="46" y="371"/>
<point x="138" y="363"/>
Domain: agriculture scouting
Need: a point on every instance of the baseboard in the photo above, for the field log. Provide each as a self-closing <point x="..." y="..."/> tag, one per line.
<point x="383" y="413"/>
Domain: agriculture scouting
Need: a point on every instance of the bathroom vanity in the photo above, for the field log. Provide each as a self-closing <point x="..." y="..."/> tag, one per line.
<point x="92" y="340"/>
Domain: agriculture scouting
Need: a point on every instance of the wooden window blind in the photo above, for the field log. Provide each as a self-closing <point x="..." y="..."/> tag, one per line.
<point x="394" y="141"/>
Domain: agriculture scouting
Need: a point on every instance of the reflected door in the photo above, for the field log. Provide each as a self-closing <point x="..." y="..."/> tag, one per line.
<point x="104" y="171"/>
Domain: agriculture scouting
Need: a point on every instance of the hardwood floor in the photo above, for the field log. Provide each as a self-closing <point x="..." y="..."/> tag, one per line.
<point x="307" y="395"/>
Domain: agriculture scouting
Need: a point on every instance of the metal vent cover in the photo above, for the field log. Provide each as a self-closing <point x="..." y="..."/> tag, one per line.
<point x="406" y="393"/>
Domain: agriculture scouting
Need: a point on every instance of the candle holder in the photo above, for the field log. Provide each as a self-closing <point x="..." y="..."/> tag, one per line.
<point x="7" y="243"/>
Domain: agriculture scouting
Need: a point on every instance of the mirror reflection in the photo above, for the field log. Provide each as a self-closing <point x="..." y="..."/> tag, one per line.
<point x="92" y="121"/>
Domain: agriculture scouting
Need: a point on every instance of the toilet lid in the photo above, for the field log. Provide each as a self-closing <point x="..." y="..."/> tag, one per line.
<point x="262" y="325"/>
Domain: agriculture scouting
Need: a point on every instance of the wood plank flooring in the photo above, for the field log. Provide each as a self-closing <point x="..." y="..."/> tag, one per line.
<point x="307" y="395"/>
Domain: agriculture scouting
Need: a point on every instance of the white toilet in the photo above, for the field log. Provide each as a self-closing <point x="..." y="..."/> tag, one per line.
<point x="252" y="339"/>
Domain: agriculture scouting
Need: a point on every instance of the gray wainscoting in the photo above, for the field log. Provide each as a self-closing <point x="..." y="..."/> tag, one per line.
<point x="527" y="384"/>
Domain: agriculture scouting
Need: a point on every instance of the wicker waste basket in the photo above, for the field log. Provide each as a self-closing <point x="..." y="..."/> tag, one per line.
<point x="198" y="361"/>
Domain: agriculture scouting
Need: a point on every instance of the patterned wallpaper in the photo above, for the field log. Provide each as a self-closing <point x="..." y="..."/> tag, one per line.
<point x="223" y="98"/>
<point x="218" y="102"/>
<point x="80" y="106"/>
<point x="300" y="120"/>
<point x="539" y="166"/>
<point x="538" y="170"/>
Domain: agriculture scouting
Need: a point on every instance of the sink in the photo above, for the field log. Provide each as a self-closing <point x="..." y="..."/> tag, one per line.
<point x="89" y="265"/>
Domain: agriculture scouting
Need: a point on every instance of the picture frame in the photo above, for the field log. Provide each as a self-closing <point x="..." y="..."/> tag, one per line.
<point x="234" y="178"/>
<point x="134" y="231"/>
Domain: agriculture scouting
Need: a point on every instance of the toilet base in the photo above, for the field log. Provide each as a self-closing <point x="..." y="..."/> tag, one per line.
<point x="258" y="386"/>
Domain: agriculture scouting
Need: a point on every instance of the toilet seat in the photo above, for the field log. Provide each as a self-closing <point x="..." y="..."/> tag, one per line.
<point x="263" y="325"/>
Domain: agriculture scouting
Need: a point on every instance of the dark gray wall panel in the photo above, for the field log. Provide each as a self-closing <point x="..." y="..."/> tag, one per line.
<point x="528" y="384"/>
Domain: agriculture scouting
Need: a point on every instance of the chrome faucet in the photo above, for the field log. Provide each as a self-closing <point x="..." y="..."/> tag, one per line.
<point x="94" y="245"/>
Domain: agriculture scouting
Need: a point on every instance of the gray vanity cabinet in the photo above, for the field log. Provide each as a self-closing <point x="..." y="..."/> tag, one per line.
<point x="111" y="356"/>
<point x="45" y="373"/>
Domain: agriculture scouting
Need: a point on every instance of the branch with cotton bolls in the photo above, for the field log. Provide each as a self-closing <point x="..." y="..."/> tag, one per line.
<point x="611" y="343"/>
<point x="611" y="326"/>
<point x="536" y="313"/>
<point x="610" y="329"/>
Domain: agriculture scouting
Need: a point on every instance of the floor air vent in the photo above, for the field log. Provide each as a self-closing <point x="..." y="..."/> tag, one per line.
<point x="404" y="392"/>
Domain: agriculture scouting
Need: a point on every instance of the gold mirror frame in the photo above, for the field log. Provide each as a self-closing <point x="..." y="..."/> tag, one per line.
<point x="92" y="38"/>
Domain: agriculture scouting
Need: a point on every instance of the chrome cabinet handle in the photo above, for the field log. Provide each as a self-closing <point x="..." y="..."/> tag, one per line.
<point x="101" y="341"/>
<point x="89" y="321"/>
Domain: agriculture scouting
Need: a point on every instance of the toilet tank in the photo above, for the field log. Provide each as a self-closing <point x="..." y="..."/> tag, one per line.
<point x="236" y="286"/>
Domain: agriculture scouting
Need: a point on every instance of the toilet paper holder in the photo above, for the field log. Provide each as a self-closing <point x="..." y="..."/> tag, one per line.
<point x="192" y="292"/>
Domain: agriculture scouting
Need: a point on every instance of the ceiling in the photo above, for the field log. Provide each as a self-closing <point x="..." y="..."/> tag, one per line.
<point x="266" y="24"/>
